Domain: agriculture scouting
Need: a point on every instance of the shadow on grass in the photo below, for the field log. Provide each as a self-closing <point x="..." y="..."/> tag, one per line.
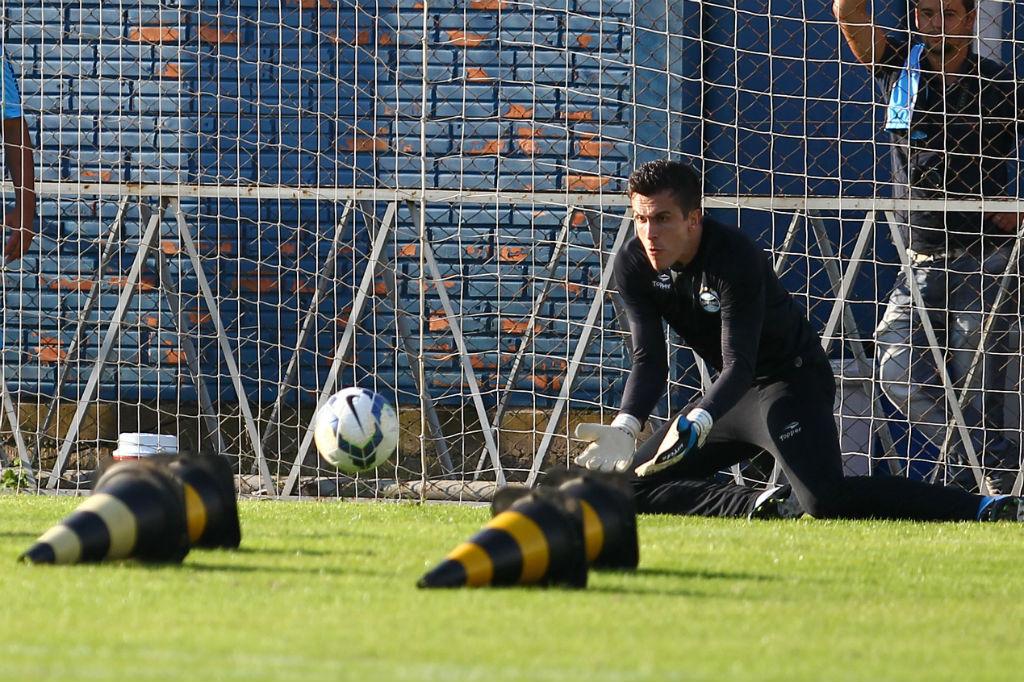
<point x="641" y="591"/>
<point x="20" y="534"/>
<point x="341" y="533"/>
<point x="690" y="574"/>
<point x="290" y="570"/>
<point x="670" y="591"/>
<point x="285" y="551"/>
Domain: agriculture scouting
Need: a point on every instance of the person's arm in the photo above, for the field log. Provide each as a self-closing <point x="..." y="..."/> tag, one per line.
<point x="649" y="373"/>
<point x="742" y="300"/>
<point x="612" y="447"/>
<point x="1005" y="131"/>
<point x="868" y="42"/>
<point x="19" y="222"/>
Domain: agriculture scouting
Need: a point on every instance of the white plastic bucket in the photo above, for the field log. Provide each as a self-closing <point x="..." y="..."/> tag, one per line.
<point x="131" y="446"/>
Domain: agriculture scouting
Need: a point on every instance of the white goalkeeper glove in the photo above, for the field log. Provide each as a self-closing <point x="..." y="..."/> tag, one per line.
<point x="687" y="434"/>
<point x="611" y="447"/>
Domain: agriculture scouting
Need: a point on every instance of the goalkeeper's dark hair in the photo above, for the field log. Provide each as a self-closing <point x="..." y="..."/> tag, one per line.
<point x="672" y="176"/>
<point x="969" y="5"/>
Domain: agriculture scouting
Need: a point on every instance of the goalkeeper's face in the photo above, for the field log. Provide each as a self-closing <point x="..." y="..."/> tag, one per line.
<point x="667" y="234"/>
<point x="944" y="25"/>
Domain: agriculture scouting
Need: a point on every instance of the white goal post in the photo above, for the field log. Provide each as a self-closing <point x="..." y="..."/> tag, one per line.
<point x="242" y="207"/>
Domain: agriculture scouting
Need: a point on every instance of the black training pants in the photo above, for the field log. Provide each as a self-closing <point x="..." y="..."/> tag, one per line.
<point x="792" y="419"/>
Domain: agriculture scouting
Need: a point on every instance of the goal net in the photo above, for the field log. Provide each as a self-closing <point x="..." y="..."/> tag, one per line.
<point x="246" y="206"/>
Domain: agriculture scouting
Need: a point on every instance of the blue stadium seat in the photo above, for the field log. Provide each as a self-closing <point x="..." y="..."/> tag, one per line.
<point x="52" y="87"/>
<point x="69" y="61"/>
<point x="94" y="23"/>
<point x="23" y="57"/>
<point x="601" y="7"/>
<point x="65" y="137"/>
<point x="110" y="95"/>
<point x="157" y="98"/>
<point x="156" y="16"/>
<point x="465" y="101"/>
<point x="540" y="101"/>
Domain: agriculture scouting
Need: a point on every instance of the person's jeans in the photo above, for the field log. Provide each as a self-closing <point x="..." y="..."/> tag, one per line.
<point x="958" y="293"/>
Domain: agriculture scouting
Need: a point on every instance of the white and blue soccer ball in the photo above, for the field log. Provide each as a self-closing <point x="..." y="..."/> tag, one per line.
<point x="356" y="430"/>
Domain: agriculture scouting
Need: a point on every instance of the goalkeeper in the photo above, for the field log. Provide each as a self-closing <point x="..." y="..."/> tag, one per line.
<point x="774" y="391"/>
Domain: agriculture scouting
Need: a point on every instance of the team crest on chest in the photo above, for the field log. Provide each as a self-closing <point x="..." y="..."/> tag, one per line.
<point x="709" y="301"/>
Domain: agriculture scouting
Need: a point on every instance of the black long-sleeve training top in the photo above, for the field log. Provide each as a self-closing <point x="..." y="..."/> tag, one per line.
<point x="727" y="305"/>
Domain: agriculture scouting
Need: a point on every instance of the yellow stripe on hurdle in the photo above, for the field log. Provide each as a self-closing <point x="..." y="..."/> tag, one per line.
<point x="119" y="520"/>
<point x="195" y="512"/>
<point x="476" y="562"/>
<point x="593" y="531"/>
<point x="533" y="544"/>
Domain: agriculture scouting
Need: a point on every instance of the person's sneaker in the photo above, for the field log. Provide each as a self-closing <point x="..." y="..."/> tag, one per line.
<point x="1001" y="508"/>
<point x="777" y="503"/>
<point x="1000" y="459"/>
<point x="999" y="482"/>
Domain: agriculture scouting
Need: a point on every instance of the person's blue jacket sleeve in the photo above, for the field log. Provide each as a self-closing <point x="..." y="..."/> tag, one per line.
<point x="11" y="94"/>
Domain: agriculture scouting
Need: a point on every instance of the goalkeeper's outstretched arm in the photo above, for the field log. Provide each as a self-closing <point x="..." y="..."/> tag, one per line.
<point x="611" y="447"/>
<point x="867" y="41"/>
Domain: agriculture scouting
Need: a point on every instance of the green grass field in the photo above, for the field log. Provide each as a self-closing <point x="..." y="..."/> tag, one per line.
<point x="325" y="591"/>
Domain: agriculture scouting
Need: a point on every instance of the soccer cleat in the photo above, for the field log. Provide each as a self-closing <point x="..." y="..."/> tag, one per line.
<point x="1001" y="508"/>
<point x="777" y="503"/>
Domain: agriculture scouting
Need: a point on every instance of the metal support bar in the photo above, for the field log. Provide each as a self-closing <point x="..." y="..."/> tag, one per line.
<point x="561" y="242"/>
<point x="225" y="347"/>
<point x="405" y="340"/>
<point x="324" y="278"/>
<point x="787" y="244"/>
<point x="112" y="333"/>
<point x="705" y="376"/>
<point x="617" y="306"/>
<point x="867" y="230"/>
<point x="404" y="327"/>
<point x="109" y="248"/>
<point x="582" y="343"/>
<point x="1005" y="281"/>
<point x="460" y="343"/>
<point x="780" y="265"/>
<point x="362" y="294"/>
<point x="170" y="289"/>
<point x="12" y="416"/>
<point x="937" y="356"/>
<point x="841" y="284"/>
<point x="466" y="196"/>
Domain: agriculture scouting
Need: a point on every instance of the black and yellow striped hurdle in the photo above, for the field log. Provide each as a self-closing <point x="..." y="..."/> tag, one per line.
<point x="538" y="540"/>
<point x="136" y="510"/>
<point x="211" y="506"/>
<point x="609" y="520"/>
<point x="609" y="514"/>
